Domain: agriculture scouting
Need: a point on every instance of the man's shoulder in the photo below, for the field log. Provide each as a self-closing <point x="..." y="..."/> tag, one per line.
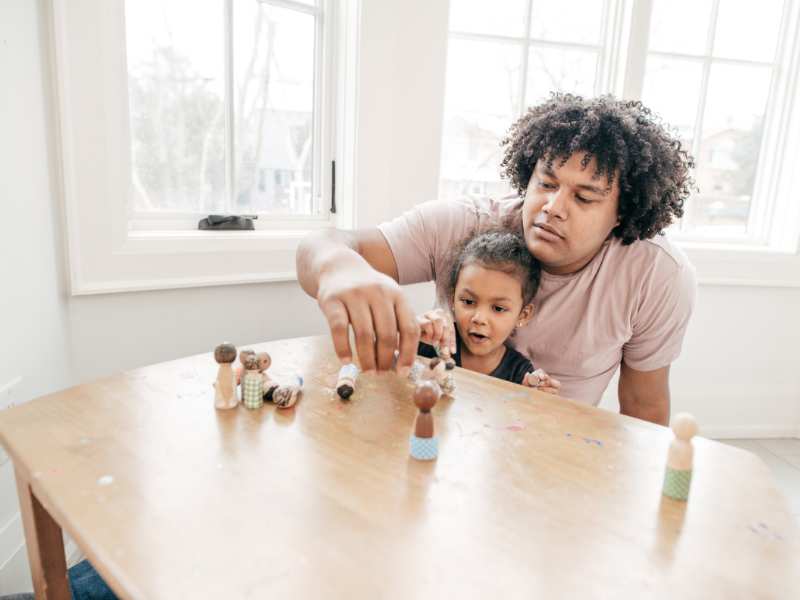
<point x="658" y="256"/>
<point x="482" y="208"/>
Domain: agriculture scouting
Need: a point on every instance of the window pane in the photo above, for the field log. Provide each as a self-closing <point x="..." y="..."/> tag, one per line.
<point x="748" y="30"/>
<point x="672" y="30"/>
<point x="497" y="18"/>
<point x="663" y="76"/>
<point x="729" y="148"/>
<point x="176" y="95"/>
<point x="556" y="69"/>
<point x="274" y="51"/>
<point x="481" y="101"/>
<point x="567" y="21"/>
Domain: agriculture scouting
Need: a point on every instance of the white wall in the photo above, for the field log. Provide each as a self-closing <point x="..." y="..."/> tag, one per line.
<point x="738" y="373"/>
<point x="33" y="307"/>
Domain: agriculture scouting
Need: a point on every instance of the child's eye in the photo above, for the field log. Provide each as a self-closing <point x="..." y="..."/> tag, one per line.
<point x="499" y="309"/>
<point x="467" y="301"/>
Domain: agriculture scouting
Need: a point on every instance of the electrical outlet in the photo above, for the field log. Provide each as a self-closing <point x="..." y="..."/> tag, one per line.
<point x="8" y="399"/>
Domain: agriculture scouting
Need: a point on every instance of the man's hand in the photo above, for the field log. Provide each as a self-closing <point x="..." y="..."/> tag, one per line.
<point x="543" y="382"/>
<point x="437" y="329"/>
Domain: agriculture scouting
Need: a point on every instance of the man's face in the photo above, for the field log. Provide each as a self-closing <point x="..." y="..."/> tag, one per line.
<point x="568" y="214"/>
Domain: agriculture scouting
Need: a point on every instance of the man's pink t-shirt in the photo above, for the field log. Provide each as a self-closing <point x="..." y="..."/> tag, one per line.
<point x="630" y="303"/>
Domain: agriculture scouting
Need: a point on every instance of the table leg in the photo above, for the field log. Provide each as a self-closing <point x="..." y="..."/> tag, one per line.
<point x="45" y="545"/>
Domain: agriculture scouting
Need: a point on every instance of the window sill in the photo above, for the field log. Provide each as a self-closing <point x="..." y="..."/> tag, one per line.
<point x="739" y="265"/>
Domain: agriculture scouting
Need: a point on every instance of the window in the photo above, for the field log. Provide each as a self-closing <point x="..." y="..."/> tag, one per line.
<point x="225" y="107"/>
<point x="171" y="110"/>
<point x="722" y="73"/>
<point x="502" y="58"/>
<point x="725" y="62"/>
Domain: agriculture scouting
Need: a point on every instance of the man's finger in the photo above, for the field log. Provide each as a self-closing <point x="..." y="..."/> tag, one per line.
<point x="385" y="323"/>
<point x="409" y="335"/>
<point x="338" y="322"/>
<point x="364" y="333"/>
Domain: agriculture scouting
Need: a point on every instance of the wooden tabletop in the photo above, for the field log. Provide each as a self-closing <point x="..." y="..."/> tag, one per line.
<point x="531" y="496"/>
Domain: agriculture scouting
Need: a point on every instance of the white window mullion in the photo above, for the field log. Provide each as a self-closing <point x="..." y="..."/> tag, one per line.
<point x="701" y="102"/>
<point x="526" y="50"/>
<point x="230" y="134"/>
<point x="637" y="49"/>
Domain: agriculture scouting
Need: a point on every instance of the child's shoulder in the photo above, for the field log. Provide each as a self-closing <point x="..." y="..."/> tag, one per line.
<point x="513" y="367"/>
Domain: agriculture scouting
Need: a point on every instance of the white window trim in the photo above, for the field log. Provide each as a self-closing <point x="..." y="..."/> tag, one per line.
<point x="103" y="255"/>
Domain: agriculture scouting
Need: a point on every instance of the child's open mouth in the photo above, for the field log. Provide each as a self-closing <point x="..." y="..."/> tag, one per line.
<point x="478" y="338"/>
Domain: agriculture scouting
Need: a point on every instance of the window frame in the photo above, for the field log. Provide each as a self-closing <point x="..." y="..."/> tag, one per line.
<point x="105" y="254"/>
<point x="764" y="220"/>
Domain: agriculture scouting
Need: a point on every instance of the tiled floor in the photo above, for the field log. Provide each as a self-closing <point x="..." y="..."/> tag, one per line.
<point x="782" y="456"/>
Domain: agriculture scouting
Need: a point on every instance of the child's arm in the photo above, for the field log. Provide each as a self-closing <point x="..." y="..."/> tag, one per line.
<point x="437" y="329"/>
<point x="542" y="382"/>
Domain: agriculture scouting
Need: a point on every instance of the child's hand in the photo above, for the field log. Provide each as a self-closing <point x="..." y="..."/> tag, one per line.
<point x="436" y="328"/>
<point x="542" y="382"/>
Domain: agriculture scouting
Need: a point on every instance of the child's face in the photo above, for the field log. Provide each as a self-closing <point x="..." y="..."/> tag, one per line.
<point x="487" y="307"/>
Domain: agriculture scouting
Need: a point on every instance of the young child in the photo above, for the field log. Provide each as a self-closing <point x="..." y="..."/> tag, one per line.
<point x="492" y="282"/>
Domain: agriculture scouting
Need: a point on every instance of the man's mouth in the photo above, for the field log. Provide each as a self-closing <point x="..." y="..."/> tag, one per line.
<point x="548" y="232"/>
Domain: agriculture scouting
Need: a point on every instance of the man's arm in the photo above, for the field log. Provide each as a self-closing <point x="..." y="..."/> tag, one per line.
<point x="354" y="277"/>
<point x="644" y="394"/>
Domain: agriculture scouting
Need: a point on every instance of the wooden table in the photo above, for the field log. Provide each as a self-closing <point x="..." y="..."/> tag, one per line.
<point x="532" y="496"/>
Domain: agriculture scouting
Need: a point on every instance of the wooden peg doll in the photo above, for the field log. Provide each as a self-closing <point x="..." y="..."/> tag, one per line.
<point x="225" y="385"/>
<point x="286" y="396"/>
<point x="441" y="371"/>
<point x="678" y="477"/>
<point x="424" y="444"/>
<point x="346" y="384"/>
<point x="268" y="386"/>
<point x="241" y="368"/>
<point x="252" y="383"/>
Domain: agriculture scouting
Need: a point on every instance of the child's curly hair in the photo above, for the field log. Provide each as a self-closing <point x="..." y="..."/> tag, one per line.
<point x="499" y="250"/>
<point x="625" y="138"/>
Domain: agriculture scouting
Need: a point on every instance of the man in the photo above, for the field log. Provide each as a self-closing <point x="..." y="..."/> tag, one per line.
<point x="598" y="179"/>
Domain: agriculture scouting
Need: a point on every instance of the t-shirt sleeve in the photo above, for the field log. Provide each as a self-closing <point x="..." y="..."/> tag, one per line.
<point x="522" y="368"/>
<point x="421" y="238"/>
<point x="659" y="325"/>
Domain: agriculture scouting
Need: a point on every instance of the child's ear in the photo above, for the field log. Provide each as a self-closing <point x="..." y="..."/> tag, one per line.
<point x="525" y="315"/>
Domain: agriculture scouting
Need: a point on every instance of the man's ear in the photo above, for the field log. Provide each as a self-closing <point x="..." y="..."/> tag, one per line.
<point x="525" y="315"/>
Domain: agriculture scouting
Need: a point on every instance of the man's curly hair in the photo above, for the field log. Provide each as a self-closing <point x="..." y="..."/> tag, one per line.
<point x="625" y="138"/>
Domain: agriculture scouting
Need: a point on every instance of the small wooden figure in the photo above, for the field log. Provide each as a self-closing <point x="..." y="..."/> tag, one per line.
<point x="252" y="383"/>
<point x="241" y="368"/>
<point x="225" y="385"/>
<point x="346" y="384"/>
<point x="441" y="371"/>
<point x="678" y="478"/>
<point x="268" y="386"/>
<point x="286" y="396"/>
<point x="424" y="444"/>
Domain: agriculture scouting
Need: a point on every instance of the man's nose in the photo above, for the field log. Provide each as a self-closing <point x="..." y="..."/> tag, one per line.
<point x="556" y="205"/>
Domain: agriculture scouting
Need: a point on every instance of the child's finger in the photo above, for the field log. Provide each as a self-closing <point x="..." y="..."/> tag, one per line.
<point x="425" y="330"/>
<point x="531" y="380"/>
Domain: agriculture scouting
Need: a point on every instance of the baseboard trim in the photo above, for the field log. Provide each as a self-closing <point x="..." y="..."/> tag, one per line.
<point x="749" y="432"/>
